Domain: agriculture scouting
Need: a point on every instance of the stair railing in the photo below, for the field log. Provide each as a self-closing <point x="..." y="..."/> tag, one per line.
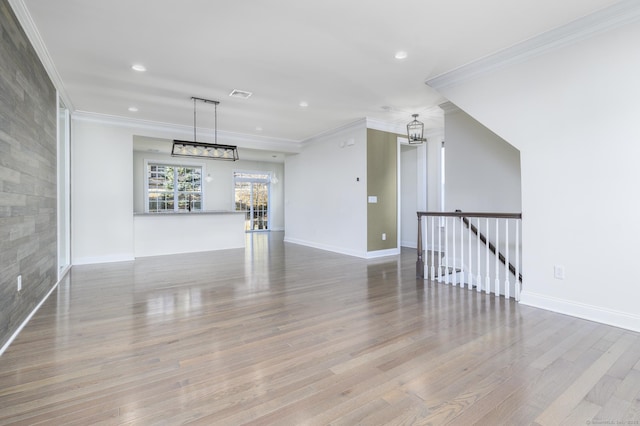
<point x="471" y="249"/>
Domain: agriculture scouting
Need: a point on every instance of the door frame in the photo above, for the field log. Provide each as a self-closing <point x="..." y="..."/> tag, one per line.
<point x="266" y="180"/>
<point x="421" y="184"/>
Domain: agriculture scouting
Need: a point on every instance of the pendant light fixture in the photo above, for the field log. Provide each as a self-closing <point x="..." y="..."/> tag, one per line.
<point x="415" y="131"/>
<point x="213" y="151"/>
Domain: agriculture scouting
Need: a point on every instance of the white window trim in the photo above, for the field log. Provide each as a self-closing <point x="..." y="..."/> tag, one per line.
<point x="169" y="162"/>
<point x="253" y="172"/>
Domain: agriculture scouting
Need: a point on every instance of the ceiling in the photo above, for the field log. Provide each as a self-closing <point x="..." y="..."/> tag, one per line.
<point x="337" y="56"/>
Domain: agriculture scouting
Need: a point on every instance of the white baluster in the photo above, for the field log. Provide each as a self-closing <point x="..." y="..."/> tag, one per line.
<point x="487" y="281"/>
<point x="424" y="223"/>
<point x="453" y="258"/>
<point x="497" y="281"/>
<point x="478" y="276"/>
<point x="470" y="270"/>
<point x="440" y="257"/>
<point x="462" y="253"/>
<point x="447" y="278"/>
<point x="517" y="285"/>
<point x="433" y="250"/>
<point x="506" y="260"/>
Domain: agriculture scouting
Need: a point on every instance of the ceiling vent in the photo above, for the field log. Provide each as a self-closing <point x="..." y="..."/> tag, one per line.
<point x="240" y="94"/>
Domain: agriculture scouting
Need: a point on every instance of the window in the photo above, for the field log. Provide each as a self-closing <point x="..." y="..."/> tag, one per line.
<point x="174" y="188"/>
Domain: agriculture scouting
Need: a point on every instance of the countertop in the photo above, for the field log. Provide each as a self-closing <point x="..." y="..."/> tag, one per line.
<point x="201" y="212"/>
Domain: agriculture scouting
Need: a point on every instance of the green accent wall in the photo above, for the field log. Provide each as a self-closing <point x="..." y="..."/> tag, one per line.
<point x="382" y="182"/>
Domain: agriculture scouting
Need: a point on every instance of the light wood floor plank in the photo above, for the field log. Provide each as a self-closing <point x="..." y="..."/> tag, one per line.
<point x="584" y="412"/>
<point x="565" y="403"/>
<point x="289" y="335"/>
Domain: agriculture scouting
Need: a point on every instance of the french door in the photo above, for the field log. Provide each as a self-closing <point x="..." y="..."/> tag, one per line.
<point x="252" y="197"/>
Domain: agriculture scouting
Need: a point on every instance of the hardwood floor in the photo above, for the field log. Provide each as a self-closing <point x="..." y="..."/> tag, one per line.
<point x="289" y="335"/>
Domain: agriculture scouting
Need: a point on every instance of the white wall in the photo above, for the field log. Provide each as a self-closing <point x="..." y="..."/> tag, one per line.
<point x="102" y="176"/>
<point x="482" y="170"/>
<point x="219" y="193"/>
<point x="573" y="113"/>
<point x="101" y="193"/>
<point x="408" y="196"/>
<point x="325" y="205"/>
<point x="434" y="183"/>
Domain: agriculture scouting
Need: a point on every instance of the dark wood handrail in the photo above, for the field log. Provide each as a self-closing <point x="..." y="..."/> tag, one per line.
<point x="472" y="214"/>
<point x="465" y="219"/>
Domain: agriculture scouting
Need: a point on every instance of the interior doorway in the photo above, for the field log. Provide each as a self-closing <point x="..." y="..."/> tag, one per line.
<point x="412" y="190"/>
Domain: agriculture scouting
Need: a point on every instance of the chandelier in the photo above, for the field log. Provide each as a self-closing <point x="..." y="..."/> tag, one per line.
<point x="213" y="151"/>
<point x="415" y="131"/>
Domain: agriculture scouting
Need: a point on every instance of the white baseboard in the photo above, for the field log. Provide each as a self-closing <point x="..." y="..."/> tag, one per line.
<point x="382" y="253"/>
<point x="26" y="320"/>
<point x="124" y="257"/>
<point x="409" y="244"/>
<point x="589" y="312"/>
<point x="326" y="247"/>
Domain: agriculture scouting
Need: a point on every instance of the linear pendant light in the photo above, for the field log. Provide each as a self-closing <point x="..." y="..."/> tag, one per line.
<point x="212" y="151"/>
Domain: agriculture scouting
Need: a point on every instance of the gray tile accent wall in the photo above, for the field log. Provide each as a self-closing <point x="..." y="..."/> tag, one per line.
<point x="28" y="244"/>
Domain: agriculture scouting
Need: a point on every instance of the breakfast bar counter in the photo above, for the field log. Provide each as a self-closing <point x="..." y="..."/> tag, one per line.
<point x="171" y="233"/>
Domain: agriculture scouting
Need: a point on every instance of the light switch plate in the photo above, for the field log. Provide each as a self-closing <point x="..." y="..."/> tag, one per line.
<point x="558" y="272"/>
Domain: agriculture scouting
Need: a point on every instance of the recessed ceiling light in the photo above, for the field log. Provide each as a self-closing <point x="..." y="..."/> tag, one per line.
<point x="138" y="67"/>
<point x="259" y="129"/>
<point x="304" y="104"/>
<point x="401" y="54"/>
<point x="133" y="109"/>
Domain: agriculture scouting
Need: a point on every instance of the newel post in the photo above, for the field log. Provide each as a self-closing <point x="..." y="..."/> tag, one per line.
<point x="420" y="261"/>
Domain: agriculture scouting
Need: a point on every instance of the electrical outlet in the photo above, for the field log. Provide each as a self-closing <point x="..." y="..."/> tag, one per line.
<point x="19" y="282"/>
<point x="384" y="236"/>
<point x="558" y="272"/>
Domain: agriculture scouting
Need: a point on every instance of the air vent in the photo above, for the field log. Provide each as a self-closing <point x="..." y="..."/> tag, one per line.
<point x="240" y="94"/>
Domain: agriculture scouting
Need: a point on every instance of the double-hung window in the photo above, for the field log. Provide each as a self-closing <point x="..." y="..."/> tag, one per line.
<point x="173" y="188"/>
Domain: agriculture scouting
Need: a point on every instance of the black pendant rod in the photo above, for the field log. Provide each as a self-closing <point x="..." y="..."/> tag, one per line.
<point x="206" y="101"/>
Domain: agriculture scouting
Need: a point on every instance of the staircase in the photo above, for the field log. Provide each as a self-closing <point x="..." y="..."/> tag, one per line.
<point x="471" y="250"/>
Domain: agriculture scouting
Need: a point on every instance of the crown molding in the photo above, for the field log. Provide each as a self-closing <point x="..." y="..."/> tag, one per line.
<point x="449" y="107"/>
<point x="30" y="29"/>
<point x="617" y="15"/>
<point x="384" y="126"/>
<point x="119" y="121"/>
<point x="146" y="128"/>
<point x="362" y="122"/>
